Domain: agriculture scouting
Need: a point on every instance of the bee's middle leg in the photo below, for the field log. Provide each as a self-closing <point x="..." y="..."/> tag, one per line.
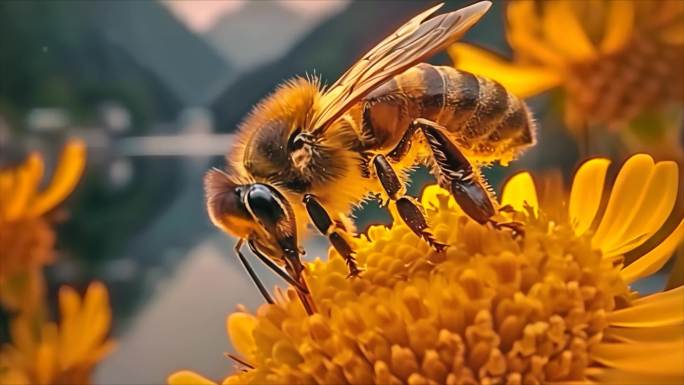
<point x="326" y="226"/>
<point x="409" y="208"/>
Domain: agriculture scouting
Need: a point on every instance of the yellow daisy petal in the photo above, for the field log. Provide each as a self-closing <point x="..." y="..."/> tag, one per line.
<point x="96" y="316"/>
<point x="67" y="175"/>
<point x="663" y="359"/>
<point x="564" y="31"/>
<point x="626" y="192"/>
<point x="520" y="191"/>
<point x="26" y="182"/>
<point x="523" y="81"/>
<point x="240" y="327"/>
<point x="656" y="310"/>
<point x="524" y="34"/>
<point x="46" y="359"/>
<point x="70" y="327"/>
<point x="651" y="210"/>
<point x="431" y="197"/>
<point x="186" y="377"/>
<point x="622" y="377"/>
<point x="657" y="334"/>
<point x="619" y="26"/>
<point x="586" y="193"/>
<point x="655" y="259"/>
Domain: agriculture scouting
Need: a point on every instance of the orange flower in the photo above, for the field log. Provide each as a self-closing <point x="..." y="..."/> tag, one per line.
<point x="65" y="354"/>
<point x="553" y="306"/>
<point x="26" y="237"/>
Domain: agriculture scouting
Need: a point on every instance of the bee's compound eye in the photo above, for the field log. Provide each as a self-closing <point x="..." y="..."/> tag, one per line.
<point x="264" y="205"/>
<point x="298" y="143"/>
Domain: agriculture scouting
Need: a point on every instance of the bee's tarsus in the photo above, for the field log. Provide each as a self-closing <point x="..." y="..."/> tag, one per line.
<point x="517" y="228"/>
<point x="326" y="226"/>
<point x="409" y="209"/>
<point x="412" y="214"/>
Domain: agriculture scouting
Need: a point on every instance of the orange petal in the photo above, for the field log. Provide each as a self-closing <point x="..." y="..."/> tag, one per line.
<point x="655" y="310"/>
<point x="586" y="193"/>
<point x="522" y="80"/>
<point x="627" y="190"/>
<point x="655" y="259"/>
<point x="619" y="26"/>
<point x="565" y="33"/>
<point x="186" y="377"/>
<point x="26" y="180"/>
<point x="650" y="211"/>
<point x="240" y="328"/>
<point x="64" y="180"/>
<point x="520" y="191"/>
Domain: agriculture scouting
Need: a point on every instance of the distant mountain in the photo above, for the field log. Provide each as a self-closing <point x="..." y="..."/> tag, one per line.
<point x="330" y="48"/>
<point x="55" y="54"/>
<point x="186" y="63"/>
<point x="258" y="32"/>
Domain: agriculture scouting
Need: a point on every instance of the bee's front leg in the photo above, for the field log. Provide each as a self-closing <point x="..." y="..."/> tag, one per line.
<point x="325" y="225"/>
<point x="409" y="209"/>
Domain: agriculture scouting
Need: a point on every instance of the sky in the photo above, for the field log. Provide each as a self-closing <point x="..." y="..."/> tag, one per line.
<point x="200" y="15"/>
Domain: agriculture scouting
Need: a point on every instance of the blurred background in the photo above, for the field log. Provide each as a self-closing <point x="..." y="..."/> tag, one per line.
<point x="155" y="89"/>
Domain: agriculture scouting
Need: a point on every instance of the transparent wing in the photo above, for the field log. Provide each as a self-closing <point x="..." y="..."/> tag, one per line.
<point x="413" y="42"/>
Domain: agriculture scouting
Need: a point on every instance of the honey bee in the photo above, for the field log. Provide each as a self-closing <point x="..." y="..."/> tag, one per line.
<point x="312" y="152"/>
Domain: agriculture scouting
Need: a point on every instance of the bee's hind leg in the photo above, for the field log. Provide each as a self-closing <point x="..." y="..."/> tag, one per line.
<point x="409" y="209"/>
<point x="325" y="225"/>
<point x="456" y="175"/>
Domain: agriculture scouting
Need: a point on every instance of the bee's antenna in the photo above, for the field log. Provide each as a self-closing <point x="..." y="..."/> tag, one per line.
<point x="252" y="274"/>
<point x="238" y="360"/>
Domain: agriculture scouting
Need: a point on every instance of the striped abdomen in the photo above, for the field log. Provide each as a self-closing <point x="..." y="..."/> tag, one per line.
<point x="487" y="122"/>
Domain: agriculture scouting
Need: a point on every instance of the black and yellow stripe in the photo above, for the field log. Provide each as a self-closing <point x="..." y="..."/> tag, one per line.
<point x="482" y="116"/>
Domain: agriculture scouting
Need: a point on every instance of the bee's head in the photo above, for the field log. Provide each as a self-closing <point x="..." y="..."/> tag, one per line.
<point x="252" y="211"/>
<point x="269" y="136"/>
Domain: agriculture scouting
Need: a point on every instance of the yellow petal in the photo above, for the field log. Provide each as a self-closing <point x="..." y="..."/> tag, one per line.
<point x="68" y="173"/>
<point x="622" y="377"/>
<point x="619" y="26"/>
<point x="628" y="188"/>
<point x="186" y="377"/>
<point x="521" y="80"/>
<point x="524" y="34"/>
<point x="565" y="33"/>
<point x="645" y="334"/>
<point x="663" y="359"/>
<point x="586" y="193"/>
<point x="652" y="209"/>
<point x="46" y="357"/>
<point x="69" y="326"/>
<point x="96" y="318"/>
<point x="655" y="310"/>
<point x="520" y="191"/>
<point x="655" y="259"/>
<point x="430" y="198"/>
<point x="240" y="327"/>
<point x="26" y="181"/>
